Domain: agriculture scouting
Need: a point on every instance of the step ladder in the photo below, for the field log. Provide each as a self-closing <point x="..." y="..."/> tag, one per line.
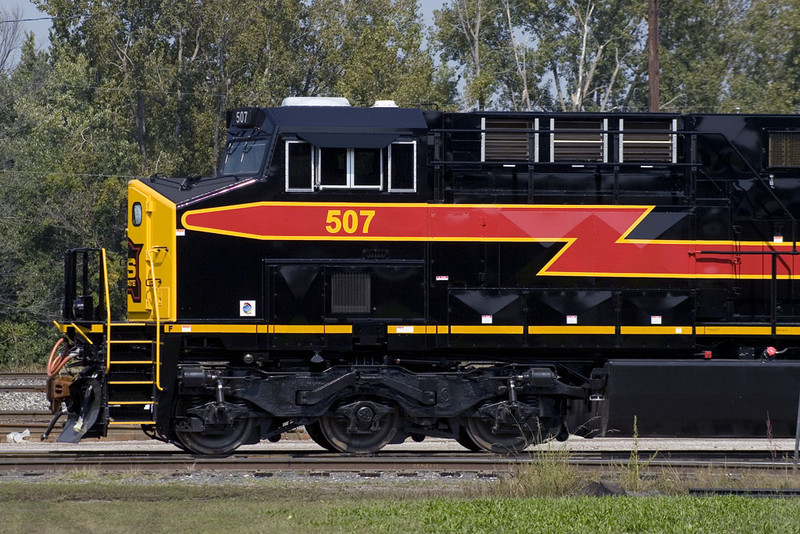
<point x="131" y="375"/>
<point x="133" y="360"/>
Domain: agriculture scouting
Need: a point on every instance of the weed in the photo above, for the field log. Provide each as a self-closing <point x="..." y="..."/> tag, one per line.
<point x="772" y="448"/>
<point x="84" y="474"/>
<point x="548" y="474"/>
<point x="632" y="477"/>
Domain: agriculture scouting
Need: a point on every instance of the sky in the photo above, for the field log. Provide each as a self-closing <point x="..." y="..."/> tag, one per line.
<point x="41" y="27"/>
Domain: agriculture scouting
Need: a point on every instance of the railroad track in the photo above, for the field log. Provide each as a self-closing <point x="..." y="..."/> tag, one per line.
<point x="23" y="382"/>
<point x="289" y="458"/>
<point x="36" y="421"/>
<point x="320" y="463"/>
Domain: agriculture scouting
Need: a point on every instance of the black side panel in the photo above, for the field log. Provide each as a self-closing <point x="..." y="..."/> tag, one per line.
<point x="702" y="398"/>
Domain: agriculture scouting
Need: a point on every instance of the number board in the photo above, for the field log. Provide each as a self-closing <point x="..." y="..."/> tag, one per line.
<point x="245" y="117"/>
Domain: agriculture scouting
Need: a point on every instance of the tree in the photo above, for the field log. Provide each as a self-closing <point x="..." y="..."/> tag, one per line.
<point x="10" y="35"/>
<point x="55" y="143"/>
<point x="764" y="57"/>
<point x="593" y="49"/>
<point x="469" y="34"/>
<point x="572" y="55"/>
<point x="694" y="53"/>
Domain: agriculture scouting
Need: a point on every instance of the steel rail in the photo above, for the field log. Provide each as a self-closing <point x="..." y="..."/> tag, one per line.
<point x="323" y="462"/>
<point x="21" y="382"/>
<point x="23" y="388"/>
<point x="15" y="375"/>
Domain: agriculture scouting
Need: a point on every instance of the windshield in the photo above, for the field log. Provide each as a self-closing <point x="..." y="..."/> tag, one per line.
<point x="244" y="157"/>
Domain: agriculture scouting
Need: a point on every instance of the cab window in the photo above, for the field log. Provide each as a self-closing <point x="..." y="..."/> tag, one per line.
<point x="244" y="157"/>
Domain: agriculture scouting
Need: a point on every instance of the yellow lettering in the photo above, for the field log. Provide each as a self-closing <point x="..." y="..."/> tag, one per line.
<point x="369" y="214"/>
<point x="349" y="221"/>
<point x="334" y="221"/>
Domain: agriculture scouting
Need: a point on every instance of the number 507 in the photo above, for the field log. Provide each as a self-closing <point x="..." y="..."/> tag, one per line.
<point x="351" y="221"/>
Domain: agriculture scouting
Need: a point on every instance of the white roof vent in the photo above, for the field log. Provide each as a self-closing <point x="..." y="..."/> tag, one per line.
<point x="384" y="104"/>
<point x="315" y="101"/>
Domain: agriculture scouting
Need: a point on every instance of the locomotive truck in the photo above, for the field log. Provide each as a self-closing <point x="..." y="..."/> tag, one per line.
<point x="374" y="274"/>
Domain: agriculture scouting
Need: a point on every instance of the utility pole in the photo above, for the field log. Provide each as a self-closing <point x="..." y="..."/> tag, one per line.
<point x="652" y="55"/>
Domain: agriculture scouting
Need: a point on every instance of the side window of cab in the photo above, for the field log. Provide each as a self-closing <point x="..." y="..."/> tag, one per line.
<point x="310" y="168"/>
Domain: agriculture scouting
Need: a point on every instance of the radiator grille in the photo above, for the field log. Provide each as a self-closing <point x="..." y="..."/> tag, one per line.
<point x="506" y="140"/>
<point x="350" y="293"/>
<point x="578" y="140"/>
<point x="784" y="149"/>
<point x="648" y="141"/>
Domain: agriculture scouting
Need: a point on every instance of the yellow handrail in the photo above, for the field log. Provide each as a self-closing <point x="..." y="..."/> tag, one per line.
<point x="152" y="262"/>
<point x="108" y="307"/>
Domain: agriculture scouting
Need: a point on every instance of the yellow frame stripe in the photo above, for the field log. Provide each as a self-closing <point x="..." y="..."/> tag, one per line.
<point x="297" y="329"/>
<point x="131" y="422"/>
<point x="215" y="329"/>
<point x="417" y="329"/>
<point x="485" y="329"/>
<point x="321" y="329"/>
<point x="657" y="330"/>
<point x="734" y="330"/>
<point x="338" y="329"/>
<point x="571" y="329"/>
<point x="258" y="329"/>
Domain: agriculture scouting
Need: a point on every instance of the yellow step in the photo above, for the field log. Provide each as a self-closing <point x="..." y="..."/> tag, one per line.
<point x="131" y="423"/>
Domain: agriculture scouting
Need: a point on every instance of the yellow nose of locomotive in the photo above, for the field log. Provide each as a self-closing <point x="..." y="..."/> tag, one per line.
<point x="151" y="255"/>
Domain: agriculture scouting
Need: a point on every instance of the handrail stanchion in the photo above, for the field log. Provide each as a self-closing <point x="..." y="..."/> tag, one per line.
<point x="107" y="299"/>
<point x="797" y="435"/>
<point x="151" y="260"/>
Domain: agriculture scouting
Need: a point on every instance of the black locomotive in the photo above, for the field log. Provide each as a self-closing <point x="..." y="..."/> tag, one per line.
<point x="375" y="274"/>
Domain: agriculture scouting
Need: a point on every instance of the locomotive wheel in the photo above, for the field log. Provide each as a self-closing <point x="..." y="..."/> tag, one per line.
<point x="508" y="439"/>
<point x="214" y="440"/>
<point x="362" y="427"/>
<point x="315" y="432"/>
<point x="466" y="441"/>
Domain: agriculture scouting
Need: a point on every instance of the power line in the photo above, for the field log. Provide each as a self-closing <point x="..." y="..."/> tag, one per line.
<point x="28" y="20"/>
<point x="70" y="174"/>
<point x="54" y="17"/>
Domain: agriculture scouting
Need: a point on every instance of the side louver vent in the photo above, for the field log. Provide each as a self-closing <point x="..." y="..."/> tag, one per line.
<point x="350" y="293"/>
<point x="579" y="140"/>
<point x="784" y="149"/>
<point x="506" y="140"/>
<point x="647" y="141"/>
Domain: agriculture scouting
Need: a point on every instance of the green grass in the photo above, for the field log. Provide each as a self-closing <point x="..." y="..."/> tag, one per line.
<point x="273" y="505"/>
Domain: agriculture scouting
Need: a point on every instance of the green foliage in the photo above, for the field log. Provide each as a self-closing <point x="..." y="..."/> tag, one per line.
<point x="765" y="72"/>
<point x="471" y="33"/>
<point x="548" y="474"/>
<point x="61" y="149"/>
<point x="24" y="343"/>
<point x="695" y="53"/>
<point x="129" y="506"/>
